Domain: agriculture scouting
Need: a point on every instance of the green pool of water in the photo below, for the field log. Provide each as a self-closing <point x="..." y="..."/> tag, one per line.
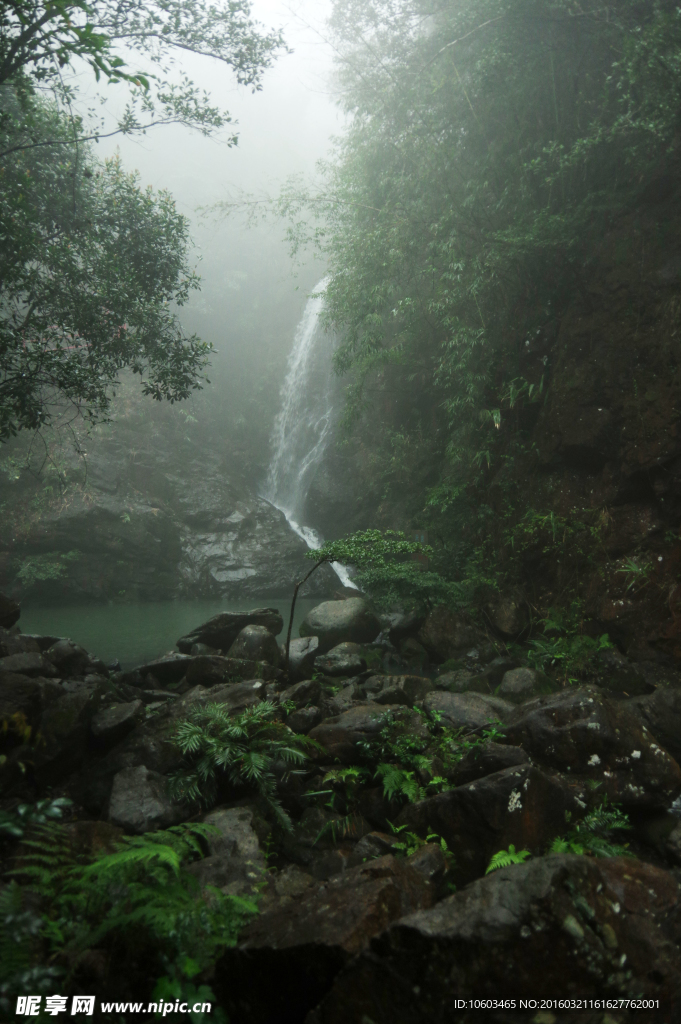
<point x="136" y="633"/>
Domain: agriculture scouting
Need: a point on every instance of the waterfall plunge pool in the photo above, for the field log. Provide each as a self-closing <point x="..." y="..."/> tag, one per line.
<point x="139" y="632"/>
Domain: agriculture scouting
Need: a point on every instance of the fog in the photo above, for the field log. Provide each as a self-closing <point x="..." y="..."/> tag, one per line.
<point x="252" y="294"/>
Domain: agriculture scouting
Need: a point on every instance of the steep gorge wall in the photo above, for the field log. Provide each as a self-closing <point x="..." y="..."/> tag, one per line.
<point x="583" y="493"/>
<point x="152" y="512"/>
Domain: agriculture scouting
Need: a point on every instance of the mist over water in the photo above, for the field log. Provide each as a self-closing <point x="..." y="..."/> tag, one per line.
<point x="303" y="427"/>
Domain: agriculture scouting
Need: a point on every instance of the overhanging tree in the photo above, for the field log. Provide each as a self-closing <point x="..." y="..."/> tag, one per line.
<point x="41" y="38"/>
<point x="91" y="266"/>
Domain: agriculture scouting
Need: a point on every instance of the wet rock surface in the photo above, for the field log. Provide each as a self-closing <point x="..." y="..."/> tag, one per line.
<point x="335" y="622"/>
<point x="302" y="945"/>
<point x="580" y="927"/>
<point x="357" y="920"/>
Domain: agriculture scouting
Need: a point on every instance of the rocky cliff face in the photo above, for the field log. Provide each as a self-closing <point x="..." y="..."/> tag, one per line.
<point x="150" y="513"/>
<point x="592" y="464"/>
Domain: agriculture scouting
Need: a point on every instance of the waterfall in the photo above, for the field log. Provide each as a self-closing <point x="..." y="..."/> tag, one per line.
<point x="303" y="427"/>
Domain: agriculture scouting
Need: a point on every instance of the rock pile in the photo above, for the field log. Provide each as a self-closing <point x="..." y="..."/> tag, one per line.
<point x="377" y="906"/>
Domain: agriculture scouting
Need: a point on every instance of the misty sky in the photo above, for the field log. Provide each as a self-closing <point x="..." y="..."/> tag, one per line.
<point x="283" y="129"/>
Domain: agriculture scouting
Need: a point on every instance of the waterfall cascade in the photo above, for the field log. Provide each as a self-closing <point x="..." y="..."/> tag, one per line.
<point x="303" y="427"/>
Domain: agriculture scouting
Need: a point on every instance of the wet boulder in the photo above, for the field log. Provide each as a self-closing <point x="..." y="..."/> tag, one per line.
<point x="212" y="669"/>
<point x="520" y="805"/>
<point x="463" y="681"/>
<point x="405" y="690"/>
<point x="235" y="862"/>
<point x="346" y="659"/>
<point x="65" y="729"/>
<point x="20" y="700"/>
<point x="617" y="674"/>
<point x="236" y="697"/>
<point x="509" y="613"/>
<point x="308" y="691"/>
<point x="402" y="625"/>
<point x="300" y="945"/>
<point x="70" y="659"/>
<point x="303" y="720"/>
<point x="467" y="710"/>
<point x="520" y="684"/>
<point x="115" y="721"/>
<point x="301" y="657"/>
<point x="595" y="737"/>
<point x="560" y="926"/>
<point x="256" y="643"/>
<point x="141" y="802"/>
<point x="221" y="631"/>
<point x="341" y="734"/>
<point x="30" y="663"/>
<point x="17" y="643"/>
<point x="446" y="634"/>
<point x="168" y="670"/>
<point x="334" y="622"/>
<point x="660" y="712"/>
<point x="486" y="759"/>
<point x="9" y="612"/>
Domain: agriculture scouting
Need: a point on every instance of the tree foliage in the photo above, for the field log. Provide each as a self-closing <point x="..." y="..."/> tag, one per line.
<point x="39" y="38"/>
<point x="90" y="268"/>
<point x="491" y="147"/>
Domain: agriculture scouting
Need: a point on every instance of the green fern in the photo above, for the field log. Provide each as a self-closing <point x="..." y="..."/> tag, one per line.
<point x="21" y="933"/>
<point x="592" y="834"/>
<point x="504" y="858"/>
<point x="243" y="748"/>
<point x="410" y="842"/>
<point x="140" y="893"/>
<point x="399" y="782"/>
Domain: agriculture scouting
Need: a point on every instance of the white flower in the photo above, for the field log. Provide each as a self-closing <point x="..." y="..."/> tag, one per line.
<point x="594" y="760"/>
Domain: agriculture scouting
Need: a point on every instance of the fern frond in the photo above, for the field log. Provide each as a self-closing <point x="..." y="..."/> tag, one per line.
<point x="398" y="782"/>
<point x="504" y="858"/>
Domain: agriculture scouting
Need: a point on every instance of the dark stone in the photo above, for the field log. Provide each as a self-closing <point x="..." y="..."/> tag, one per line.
<point x="334" y="622"/>
<point x="140" y="801"/>
<point x="519" y="684"/>
<point x="301" y="657"/>
<point x="212" y="669"/>
<point x="222" y="630"/>
<point x="17" y="643"/>
<point x="28" y="664"/>
<point x="617" y="674"/>
<point x="167" y="670"/>
<point x="300" y="947"/>
<point x="339" y="735"/>
<point x="509" y="614"/>
<point x="485" y="760"/>
<point x="590" y="735"/>
<point x="19" y="696"/>
<point x="308" y="691"/>
<point x="405" y="690"/>
<point x="9" y="612"/>
<point x="345" y="659"/>
<point x="115" y="721"/>
<point x="256" y="643"/>
<point x="235" y="863"/>
<point x="69" y="658"/>
<point x="467" y="710"/>
<point x="581" y="927"/>
<point x="660" y="713"/>
<point x="520" y="805"/>
<point x="446" y="634"/>
<point x="463" y="681"/>
<point x="304" y="720"/>
<point x="402" y="625"/>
